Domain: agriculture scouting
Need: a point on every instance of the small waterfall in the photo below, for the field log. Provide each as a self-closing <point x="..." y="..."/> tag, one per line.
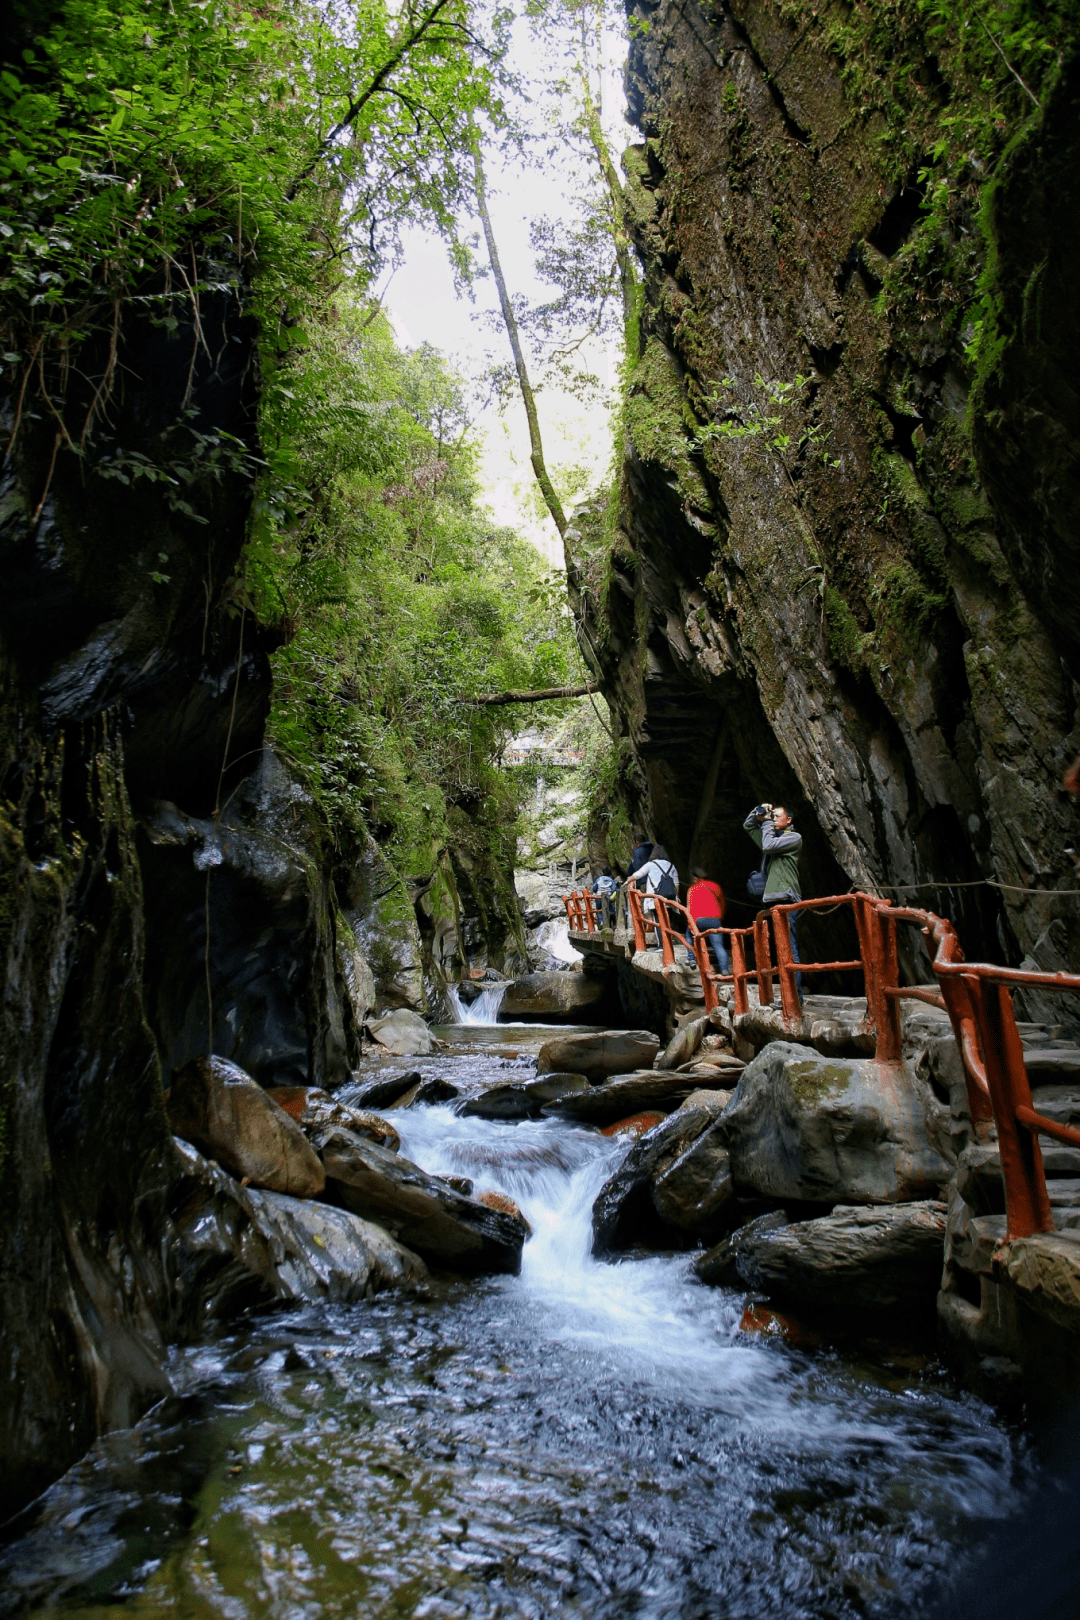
<point x="484" y="1010"/>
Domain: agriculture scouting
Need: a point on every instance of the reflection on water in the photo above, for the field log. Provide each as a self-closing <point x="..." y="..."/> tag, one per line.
<point x="583" y="1440"/>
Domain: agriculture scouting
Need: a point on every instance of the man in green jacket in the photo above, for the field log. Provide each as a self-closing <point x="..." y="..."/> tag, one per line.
<point x="773" y="831"/>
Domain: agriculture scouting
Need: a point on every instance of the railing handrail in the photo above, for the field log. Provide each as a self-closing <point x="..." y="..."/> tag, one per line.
<point x="976" y="995"/>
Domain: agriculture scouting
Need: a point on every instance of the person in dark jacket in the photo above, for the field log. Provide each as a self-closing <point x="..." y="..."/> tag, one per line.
<point x="773" y="831"/>
<point x="640" y="858"/>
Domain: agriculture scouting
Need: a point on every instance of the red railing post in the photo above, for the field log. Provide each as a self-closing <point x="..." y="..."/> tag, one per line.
<point x="890" y="1041"/>
<point x="738" y="969"/>
<point x="763" y="959"/>
<point x="785" y="964"/>
<point x="700" y="946"/>
<point x="1026" y="1202"/>
<point x="633" y="898"/>
<point x="663" y="927"/>
<point x="590" y="910"/>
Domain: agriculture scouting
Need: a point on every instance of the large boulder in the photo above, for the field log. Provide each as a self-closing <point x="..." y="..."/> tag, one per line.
<point x="600" y="1053"/>
<point x="858" y="1258"/>
<point x="828" y="1130"/>
<point x="220" y="1109"/>
<point x="448" y="1229"/>
<point x="402" y="1033"/>
<point x="384" y="1093"/>
<point x="624" y="1212"/>
<point x="311" y="1107"/>
<point x="229" y="1248"/>
<point x="555" y="995"/>
<point x="696" y="1193"/>
<point x="629" y="1094"/>
<point x="524" y="1101"/>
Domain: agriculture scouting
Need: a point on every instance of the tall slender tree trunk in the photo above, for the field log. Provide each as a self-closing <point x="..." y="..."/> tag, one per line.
<point x="616" y="196"/>
<point x="536" y="446"/>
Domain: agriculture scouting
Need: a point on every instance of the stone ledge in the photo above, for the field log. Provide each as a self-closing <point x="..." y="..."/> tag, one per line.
<point x="1044" y="1271"/>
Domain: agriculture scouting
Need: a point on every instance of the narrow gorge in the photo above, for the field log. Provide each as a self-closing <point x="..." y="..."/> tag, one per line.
<point x="387" y="1227"/>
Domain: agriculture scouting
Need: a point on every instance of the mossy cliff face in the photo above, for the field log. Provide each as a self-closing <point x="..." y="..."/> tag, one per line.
<point x="840" y="566"/>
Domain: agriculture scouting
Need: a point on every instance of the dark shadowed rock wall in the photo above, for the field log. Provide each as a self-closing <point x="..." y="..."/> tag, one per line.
<point x="874" y="622"/>
<point x="136" y="689"/>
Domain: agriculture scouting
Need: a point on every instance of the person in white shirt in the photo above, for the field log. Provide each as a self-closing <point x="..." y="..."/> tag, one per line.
<point x="660" y="878"/>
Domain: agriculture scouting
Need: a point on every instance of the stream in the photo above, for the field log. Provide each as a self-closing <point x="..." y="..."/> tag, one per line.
<point x="585" y="1439"/>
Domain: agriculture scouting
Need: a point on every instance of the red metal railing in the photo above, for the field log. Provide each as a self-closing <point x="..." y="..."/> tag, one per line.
<point x="976" y="995"/>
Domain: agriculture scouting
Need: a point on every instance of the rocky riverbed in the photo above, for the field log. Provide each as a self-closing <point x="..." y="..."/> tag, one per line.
<point x="561" y="1436"/>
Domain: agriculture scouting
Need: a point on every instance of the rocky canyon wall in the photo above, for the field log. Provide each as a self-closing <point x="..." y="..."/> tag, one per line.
<point x="839" y="567"/>
<point x="161" y="873"/>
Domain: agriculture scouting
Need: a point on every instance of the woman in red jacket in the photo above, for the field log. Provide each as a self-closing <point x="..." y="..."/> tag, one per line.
<point x="705" y="903"/>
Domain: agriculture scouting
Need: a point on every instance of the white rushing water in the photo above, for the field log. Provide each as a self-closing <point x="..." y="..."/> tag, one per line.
<point x="644" y="1317"/>
<point x="484" y="1010"/>
<point x="584" y="1441"/>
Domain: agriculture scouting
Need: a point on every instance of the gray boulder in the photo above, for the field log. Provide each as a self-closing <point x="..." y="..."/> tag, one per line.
<point x="618" y="1099"/>
<point x="864" y="1258"/>
<point x="448" y="1229"/>
<point x="859" y="1258"/>
<point x="229" y="1248"/>
<point x="382" y="1093"/>
<point x="224" y="1113"/>
<point x="719" y="1266"/>
<point x="820" y="1130"/>
<point x="685" y="1041"/>
<point x="696" y="1194"/>
<point x="555" y="994"/>
<point x="524" y="1101"/>
<point x="599" y="1054"/>
<point x="624" y="1212"/>
<point x="402" y="1033"/>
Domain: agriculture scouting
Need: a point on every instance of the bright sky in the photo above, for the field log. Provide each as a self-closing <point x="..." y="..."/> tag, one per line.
<point x="424" y="308"/>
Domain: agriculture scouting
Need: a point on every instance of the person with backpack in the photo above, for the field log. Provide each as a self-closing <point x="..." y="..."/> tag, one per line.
<point x="604" y="889"/>
<point x="706" y="904"/>
<point x="776" y="882"/>
<point x="658" y="877"/>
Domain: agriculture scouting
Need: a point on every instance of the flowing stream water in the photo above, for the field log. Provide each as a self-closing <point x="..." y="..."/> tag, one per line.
<point x="583" y="1440"/>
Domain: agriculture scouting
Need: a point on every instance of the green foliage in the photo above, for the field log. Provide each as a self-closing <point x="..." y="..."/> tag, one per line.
<point x="771" y="416"/>
<point x="155" y="150"/>
<point x="397" y="599"/>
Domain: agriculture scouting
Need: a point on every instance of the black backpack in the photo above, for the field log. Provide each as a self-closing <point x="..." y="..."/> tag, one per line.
<point x="755" y="883"/>
<point x="667" y="888"/>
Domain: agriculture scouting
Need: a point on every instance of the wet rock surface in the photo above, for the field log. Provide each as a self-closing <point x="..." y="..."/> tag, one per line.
<point x="559" y="995"/>
<point x="857" y="1259"/>
<point x="312" y="1108"/>
<point x="222" y="1112"/>
<point x="802" y="1126"/>
<point x="230" y="1249"/>
<point x="696" y="1193"/>
<point x="623" y="1095"/>
<point x="597" y="1055"/>
<point x="219" y="1109"/>
<point x="625" y="1211"/>
<point x="447" y="1229"/>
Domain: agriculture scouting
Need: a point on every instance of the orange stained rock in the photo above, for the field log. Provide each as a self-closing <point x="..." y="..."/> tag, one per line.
<point x="776" y="1325"/>
<point x="634" y="1124"/>
<point x="503" y="1205"/>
